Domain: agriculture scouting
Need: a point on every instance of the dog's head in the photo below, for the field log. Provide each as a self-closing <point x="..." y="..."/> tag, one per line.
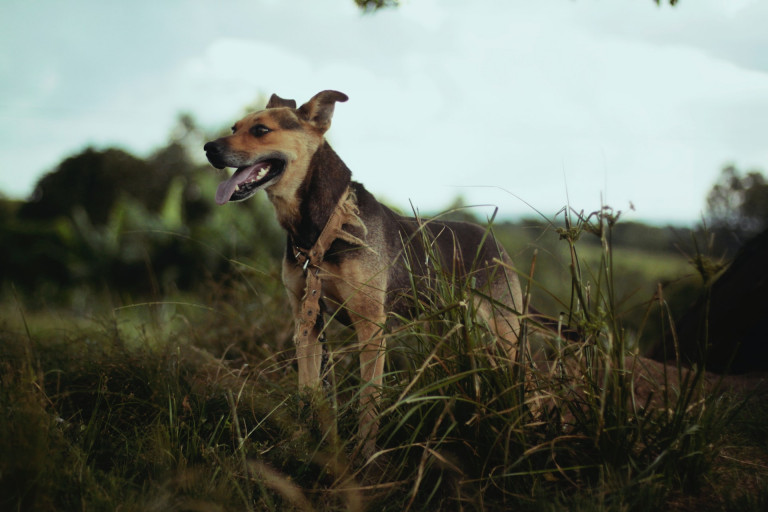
<point x="272" y="148"/>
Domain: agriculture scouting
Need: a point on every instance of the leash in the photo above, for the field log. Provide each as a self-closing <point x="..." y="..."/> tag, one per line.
<point x="310" y="314"/>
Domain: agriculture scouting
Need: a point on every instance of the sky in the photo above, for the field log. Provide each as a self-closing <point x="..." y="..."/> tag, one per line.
<point x="527" y="106"/>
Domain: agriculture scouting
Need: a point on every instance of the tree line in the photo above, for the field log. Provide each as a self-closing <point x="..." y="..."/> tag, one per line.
<point x="104" y="218"/>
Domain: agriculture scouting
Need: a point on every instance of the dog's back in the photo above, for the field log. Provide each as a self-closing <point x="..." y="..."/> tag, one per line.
<point x="413" y="252"/>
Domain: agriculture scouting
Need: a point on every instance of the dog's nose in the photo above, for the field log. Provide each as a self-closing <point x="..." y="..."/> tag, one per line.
<point x="214" y="154"/>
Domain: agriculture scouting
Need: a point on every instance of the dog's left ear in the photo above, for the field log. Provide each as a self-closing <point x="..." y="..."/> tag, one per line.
<point x="276" y="101"/>
<point x="319" y="110"/>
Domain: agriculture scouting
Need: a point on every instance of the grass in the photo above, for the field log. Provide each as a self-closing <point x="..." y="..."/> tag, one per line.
<point x="192" y="405"/>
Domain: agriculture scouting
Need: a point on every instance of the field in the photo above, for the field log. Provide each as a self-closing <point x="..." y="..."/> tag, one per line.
<point x="188" y="401"/>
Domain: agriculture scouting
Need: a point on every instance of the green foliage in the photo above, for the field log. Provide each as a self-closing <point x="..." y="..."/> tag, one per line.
<point x="647" y="260"/>
<point x="146" y="244"/>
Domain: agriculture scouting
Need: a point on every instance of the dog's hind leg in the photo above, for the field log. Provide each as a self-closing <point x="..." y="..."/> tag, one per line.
<point x="505" y="326"/>
<point x="503" y="307"/>
<point x="502" y="314"/>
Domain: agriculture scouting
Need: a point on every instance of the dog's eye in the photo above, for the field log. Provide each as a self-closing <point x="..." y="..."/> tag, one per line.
<point x="259" y="130"/>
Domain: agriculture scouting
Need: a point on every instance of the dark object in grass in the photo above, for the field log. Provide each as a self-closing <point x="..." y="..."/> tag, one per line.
<point x="732" y="337"/>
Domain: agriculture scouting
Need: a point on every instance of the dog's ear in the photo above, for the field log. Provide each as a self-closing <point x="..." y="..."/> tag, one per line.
<point x="276" y="101"/>
<point x="319" y="110"/>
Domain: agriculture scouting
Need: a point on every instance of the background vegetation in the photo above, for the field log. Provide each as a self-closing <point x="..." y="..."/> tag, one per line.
<point x="146" y="362"/>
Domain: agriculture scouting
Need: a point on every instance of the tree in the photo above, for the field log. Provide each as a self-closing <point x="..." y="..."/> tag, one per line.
<point x="738" y="203"/>
<point x="93" y="180"/>
<point x="373" y="5"/>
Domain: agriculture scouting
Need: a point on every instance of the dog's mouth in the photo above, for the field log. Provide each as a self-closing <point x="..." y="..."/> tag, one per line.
<point x="246" y="181"/>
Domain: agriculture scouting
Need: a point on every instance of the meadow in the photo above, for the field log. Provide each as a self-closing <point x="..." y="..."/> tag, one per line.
<point x="186" y="399"/>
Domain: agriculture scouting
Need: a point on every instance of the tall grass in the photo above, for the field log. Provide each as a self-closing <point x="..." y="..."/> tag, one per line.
<point x="204" y="414"/>
<point x="466" y="431"/>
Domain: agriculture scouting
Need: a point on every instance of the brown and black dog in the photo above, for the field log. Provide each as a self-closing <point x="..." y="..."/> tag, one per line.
<point x="366" y="270"/>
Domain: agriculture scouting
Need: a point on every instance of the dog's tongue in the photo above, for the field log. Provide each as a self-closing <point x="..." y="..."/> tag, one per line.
<point x="228" y="187"/>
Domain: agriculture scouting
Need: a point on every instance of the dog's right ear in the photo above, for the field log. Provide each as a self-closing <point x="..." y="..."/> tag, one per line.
<point x="276" y="101"/>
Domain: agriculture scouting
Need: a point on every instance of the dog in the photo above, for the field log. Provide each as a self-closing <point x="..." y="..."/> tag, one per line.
<point x="347" y="255"/>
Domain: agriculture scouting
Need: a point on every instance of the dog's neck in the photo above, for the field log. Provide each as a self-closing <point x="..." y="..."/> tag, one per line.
<point x="326" y="180"/>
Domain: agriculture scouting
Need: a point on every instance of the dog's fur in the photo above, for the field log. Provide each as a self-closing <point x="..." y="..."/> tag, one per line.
<point x="361" y="284"/>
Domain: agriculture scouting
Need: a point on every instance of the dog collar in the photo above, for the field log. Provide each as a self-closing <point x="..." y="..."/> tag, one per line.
<point x="345" y="213"/>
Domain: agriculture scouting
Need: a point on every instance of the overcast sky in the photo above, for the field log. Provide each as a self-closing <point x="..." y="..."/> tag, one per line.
<point x="519" y="104"/>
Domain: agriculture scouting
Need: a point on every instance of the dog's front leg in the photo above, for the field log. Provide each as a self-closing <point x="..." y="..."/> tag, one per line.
<point x="309" y="352"/>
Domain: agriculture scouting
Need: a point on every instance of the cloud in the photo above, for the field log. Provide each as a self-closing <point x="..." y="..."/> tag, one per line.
<point x="625" y="101"/>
